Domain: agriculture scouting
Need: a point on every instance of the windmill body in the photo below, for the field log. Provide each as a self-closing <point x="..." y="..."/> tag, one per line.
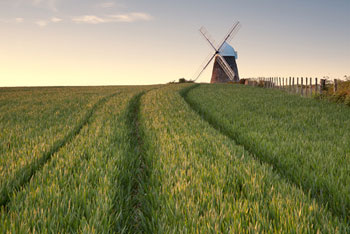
<point x="230" y="56"/>
<point x="225" y="66"/>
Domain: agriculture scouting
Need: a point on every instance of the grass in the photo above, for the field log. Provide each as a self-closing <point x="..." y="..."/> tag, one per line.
<point x="77" y="190"/>
<point x="203" y="182"/>
<point x="139" y="159"/>
<point x="306" y="141"/>
<point x="35" y="124"/>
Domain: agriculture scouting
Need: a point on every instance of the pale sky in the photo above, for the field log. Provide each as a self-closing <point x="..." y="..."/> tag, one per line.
<point x="118" y="42"/>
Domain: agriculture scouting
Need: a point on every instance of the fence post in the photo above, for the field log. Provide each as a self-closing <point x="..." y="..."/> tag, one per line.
<point x="280" y="86"/>
<point x="310" y="87"/>
<point x="302" y="83"/>
<point x="263" y="82"/>
<point x="271" y="82"/>
<point x="323" y="85"/>
<point x="335" y="85"/>
<point x="286" y="83"/>
<point x="293" y="85"/>
<point x="316" y="86"/>
<point x="306" y="87"/>
<point x="297" y="85"/>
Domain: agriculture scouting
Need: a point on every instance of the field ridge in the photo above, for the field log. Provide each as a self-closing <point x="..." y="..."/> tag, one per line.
<point x="276" y="166"/>
<point x="24" y="175"/>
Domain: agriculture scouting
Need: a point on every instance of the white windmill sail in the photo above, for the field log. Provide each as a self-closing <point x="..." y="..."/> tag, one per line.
<point x="226" y="67"/>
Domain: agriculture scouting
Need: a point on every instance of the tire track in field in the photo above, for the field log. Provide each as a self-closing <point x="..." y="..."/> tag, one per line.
<point x="133" y="180"/>
<point x="275" y="165"/>
<point x="24" y="175"/>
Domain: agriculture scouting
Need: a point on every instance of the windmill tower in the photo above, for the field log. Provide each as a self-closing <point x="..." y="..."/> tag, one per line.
<point x="225" y="67"/>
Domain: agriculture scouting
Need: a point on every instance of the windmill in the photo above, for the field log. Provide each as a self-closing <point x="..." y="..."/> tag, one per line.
<point x="225" y="66"/>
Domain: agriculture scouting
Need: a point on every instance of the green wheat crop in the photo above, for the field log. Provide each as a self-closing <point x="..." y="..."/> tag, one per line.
<point x="76" y="190"/>
<point x="171" y="159"/>
<point x="305" y="140"/>
<point x="202" y="182"/>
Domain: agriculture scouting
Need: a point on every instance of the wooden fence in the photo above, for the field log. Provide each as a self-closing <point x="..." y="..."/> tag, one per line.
<point x="303" y="86"/>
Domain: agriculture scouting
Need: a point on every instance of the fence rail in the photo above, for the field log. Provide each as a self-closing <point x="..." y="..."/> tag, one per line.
<point x="304" y="86"/>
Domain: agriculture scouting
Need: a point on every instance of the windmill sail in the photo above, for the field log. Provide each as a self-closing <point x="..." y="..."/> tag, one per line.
<point x="233" y="31"/>
<point x="203" y="67"/>
<point x="226" y="67"/>
<point x="208" y="37"/>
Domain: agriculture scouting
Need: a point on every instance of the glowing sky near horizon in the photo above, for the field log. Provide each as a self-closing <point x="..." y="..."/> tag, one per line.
<point x="119" y="42"/>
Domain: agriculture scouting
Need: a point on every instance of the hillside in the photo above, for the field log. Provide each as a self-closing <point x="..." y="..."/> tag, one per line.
<point x="171" y="159"/>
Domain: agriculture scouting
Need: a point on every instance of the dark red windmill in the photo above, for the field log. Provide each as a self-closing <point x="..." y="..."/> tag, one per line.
<point x="225" y="67"/>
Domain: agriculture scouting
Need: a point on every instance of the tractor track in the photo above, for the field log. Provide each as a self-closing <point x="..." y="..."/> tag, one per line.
<point x="25" y="174"/>
<point x="134" y="179"/>
<point x="276" y="167"/>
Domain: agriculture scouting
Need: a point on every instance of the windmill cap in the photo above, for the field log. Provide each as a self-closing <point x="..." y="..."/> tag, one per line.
<point x="227" y="50"/>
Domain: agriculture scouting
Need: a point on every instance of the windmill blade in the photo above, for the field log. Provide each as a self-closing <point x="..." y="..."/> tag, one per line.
<point x="233" y="31"/>
<point x="208" y="37"/>
<point x="203" y="66"/>
<point x="226" y="67"/>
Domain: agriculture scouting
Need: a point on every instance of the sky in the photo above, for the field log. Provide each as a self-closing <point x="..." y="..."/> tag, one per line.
<point x="135" y="42"/>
